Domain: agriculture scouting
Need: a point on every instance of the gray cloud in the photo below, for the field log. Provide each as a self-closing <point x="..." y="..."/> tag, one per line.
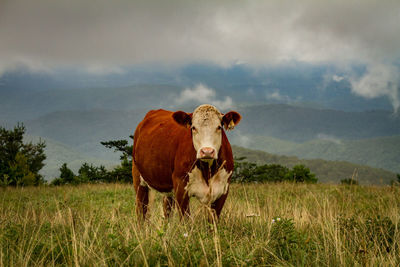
<point x="128" y="32"/>
<point x="275" y="95"/>
<point x="204" y="95"/>
<point x="379" y="80"/>
<point x="103" y="35"/>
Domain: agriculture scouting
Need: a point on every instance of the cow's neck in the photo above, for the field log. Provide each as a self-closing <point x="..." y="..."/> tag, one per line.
<point x="207" y="170"/>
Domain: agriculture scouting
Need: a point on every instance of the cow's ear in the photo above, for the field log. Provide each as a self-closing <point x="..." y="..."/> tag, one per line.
<point x="183" y="118"/>
<point x="231" y="119"/>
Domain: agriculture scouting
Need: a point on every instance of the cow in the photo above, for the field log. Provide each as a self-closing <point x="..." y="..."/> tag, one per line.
<point x="183" y="155"/>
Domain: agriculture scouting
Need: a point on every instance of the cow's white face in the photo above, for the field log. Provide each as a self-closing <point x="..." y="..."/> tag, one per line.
<point x="206" y="132"/>
<point x="206" y="124"/>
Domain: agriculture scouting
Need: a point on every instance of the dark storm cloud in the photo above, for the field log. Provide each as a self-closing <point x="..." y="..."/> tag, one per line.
<point x="103" y="35"/>
<point x="127" y="32"/>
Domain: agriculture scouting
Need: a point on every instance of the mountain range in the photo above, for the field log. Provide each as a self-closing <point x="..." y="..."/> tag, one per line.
<point x="294" y="110"/>
<point x="83" y="131"/>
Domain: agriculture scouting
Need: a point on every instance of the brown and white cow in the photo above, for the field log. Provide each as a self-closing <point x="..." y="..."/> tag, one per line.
<point x="184" y="154"/>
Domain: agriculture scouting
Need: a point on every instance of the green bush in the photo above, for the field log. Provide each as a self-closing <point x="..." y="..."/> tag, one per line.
<point x="250" y="172"/>
<point x="289" y="243"/>
<point x="301" y="174"/>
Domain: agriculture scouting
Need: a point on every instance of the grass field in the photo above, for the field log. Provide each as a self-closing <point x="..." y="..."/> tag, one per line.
<point x="261" y="224"/>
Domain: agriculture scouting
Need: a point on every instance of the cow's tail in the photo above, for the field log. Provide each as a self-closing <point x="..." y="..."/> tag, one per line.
<point x="134" y="146"/>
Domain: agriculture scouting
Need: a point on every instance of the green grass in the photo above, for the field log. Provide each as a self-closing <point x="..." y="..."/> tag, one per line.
<point x="261" y="224"/>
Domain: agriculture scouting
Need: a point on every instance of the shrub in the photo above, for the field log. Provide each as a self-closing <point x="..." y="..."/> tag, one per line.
<point x="300" y="173"/>
<point x="288" y="243"/>
<point x="251" y="172"/>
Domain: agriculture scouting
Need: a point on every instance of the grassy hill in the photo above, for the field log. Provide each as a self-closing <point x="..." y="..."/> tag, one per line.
<point x="382" y="152"/>
<point x="326" y="171"/>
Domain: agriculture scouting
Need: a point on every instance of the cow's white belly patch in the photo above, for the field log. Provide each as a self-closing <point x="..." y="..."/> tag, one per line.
<point x="145" y="184"/>
<point x="207" y="194"/>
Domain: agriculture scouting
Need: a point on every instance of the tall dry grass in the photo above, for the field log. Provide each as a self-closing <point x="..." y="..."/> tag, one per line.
<point x="261" y="224"/>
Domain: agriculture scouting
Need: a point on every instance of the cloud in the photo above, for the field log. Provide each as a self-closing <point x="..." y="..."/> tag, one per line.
<point x="120" y="33"/>
<point x="379" y="80"/>
<point x="337" y="78"/>
<point x="98" y="69"/>
<point x="277" y="97"/>
<point x="204" y="95"/>
<point x="227" y="32"/>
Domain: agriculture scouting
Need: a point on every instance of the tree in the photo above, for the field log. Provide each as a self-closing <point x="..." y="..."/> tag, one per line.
<point x="121" y="146"/>
<point x="20" y="163"/>
<point x="243" y="171"/>
<point x="122" y="173"/>
<point x="300" y="173"/>
<point x="90" y="173"/>
<point x="250" y="172"/>
<point x="19" y="170"/>
<point x="398" y="177"/>
<point x="271" y="173"/>
<point x="67" y="176"/>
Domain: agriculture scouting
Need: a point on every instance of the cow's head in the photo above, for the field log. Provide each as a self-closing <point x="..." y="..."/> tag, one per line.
<point x="206" y="124"/>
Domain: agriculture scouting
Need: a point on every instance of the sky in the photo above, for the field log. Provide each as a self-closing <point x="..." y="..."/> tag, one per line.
<point x="103" y="36"/>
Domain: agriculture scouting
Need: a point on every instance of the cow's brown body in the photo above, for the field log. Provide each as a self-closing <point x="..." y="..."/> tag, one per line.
<point x="163" y="154"/>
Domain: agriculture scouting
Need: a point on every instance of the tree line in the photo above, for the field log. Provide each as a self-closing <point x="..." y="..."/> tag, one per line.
<point x="245" y="172"/>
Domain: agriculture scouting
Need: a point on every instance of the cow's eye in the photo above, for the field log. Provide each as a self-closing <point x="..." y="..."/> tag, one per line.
<point x="193" y="128"/>
<point x="219" y="127"/>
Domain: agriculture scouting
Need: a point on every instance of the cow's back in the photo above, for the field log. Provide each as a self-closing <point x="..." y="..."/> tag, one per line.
<point x="156" y="142"/>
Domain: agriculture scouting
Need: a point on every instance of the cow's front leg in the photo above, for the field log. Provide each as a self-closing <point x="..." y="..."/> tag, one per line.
<point x="181" y="196"/>
<point x="217" y="205"/>
<point x="219" y="187"/>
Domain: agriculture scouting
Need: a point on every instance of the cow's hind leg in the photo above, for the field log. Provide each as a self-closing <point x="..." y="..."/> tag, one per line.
<point x="168" y="203"/>
<point x="181" y="196"/>
<point x="142" y="193"/>
<point x="142" y="201"/>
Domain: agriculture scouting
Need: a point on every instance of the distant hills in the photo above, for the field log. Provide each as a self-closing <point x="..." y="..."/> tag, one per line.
<point x="368" y="138"/>
<point x="23" y="105"/>
<point x="293" y="109"/>
<point x="326" y="171"/>
<point x="299" y="124"/>
<point x="380" y="152"/>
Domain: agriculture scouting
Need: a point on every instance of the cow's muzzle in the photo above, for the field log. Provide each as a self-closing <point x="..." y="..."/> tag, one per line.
<point x="207" y="153"/>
